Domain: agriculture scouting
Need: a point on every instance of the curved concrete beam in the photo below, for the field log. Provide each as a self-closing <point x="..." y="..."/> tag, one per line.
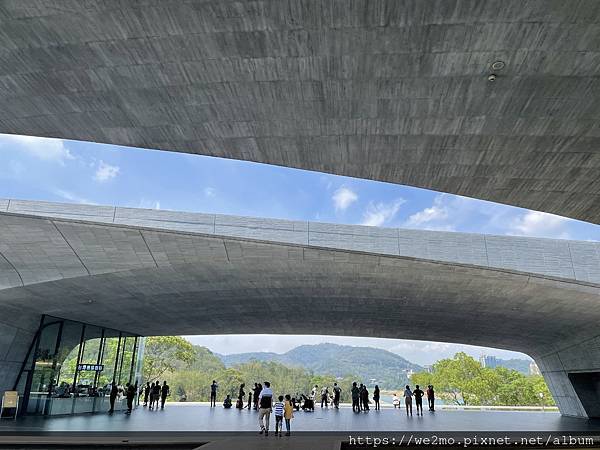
<point x="70" y="247"/>
<point x="213" y="274"/>
<point x="380" y="91"/>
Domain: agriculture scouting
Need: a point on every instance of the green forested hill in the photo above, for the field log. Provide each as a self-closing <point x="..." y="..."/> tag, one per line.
<point x="386" y="368"/>
<point x="194" y="381"/>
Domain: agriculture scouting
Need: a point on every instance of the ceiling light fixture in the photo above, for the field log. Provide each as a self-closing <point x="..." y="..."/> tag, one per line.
<point x="498" y="65"/>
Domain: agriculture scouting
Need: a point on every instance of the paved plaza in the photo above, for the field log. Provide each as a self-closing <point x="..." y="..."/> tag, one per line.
<point x="202" y="418"/>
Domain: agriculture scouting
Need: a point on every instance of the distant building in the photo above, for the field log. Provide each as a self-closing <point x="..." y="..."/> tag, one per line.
<point x="534" y="369"/>
<point x="428" y="368"/>
<point x="488" y="361"/>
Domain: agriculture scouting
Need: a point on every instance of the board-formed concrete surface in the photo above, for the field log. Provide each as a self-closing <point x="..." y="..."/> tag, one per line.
<point x="162" y="272"/>
<point x="380" y="89"/>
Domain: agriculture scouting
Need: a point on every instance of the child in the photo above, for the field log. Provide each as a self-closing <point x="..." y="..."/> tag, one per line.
<point x="396" y="401"/>
<point x="288" y="413"/>
<point x="279" y="409"/>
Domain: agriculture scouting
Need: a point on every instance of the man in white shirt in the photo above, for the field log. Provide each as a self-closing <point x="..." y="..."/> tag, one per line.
<point x="265" y="402"/>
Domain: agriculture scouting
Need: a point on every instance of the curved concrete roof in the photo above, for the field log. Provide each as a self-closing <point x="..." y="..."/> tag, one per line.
<point x="209" y="274"/>
<point x="377" y="89"/>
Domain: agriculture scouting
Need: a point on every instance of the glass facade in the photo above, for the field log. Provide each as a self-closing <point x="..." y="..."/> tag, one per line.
<point x="73" y="365"/>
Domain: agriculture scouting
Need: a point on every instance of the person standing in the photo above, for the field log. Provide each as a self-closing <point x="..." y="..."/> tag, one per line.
<point x="324" y="396"/>
<point x="355" y="397"/>
<point x="130" y="395"/>
<point x="155" y="395"/>
<point x="376" y="396"/>
<point x="213" y="393"/>
<point x="431" y="397"/>
<point x="265" y="400"/>
<point x="241" y="395"/>
<point x="337" y="392"/>
<point x="279" y="411"/>
<point x="288" y="413"/>
<point x="151" y="396"/>
<point x="365" y="398"/>
<point x="146" y="393"/>
<point x="164" y="392"/>
<point x="257" y="391"/>
<point x="408" y="399"/>
<point x="249" y="399"/>
<point x="114" y="391"/>
<point x="314" y="393"/>
<point x="361" y="388"/>
<point x="418" y="393"/>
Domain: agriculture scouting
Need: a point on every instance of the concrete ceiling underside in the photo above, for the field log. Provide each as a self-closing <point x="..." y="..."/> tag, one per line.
<point x="249" y="275"/>
<point x="376" y="89"/>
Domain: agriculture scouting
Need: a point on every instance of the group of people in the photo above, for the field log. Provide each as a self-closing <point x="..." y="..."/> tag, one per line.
<point x="284" y="406"/>
<point x="129" y="391"/>
<point x="327" y="396"/>
<point x="360" y="397"/>
<point x="264" y="404"/>
<point x="418" y="395"/>
<point x="156" y="393"/>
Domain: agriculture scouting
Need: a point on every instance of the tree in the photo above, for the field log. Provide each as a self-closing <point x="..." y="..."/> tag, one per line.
<point x="165" y="354"/>
<point x="463" y="381"/>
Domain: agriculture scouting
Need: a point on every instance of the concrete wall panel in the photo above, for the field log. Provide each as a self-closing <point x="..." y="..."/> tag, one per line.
<point x="544" y="256"/>
<point x="442" y="246"/>
<point x="586" y="260"/>
<point x="73" y="211"/>
<point x="286" y="231"/>
<point x="354" y="237"/>
<point x="178" y="221"/>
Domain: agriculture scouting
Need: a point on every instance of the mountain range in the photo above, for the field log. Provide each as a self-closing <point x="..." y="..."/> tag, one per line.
<point x="387" y="369"/>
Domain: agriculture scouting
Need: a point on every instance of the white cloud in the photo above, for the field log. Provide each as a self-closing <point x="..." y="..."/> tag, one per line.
<point x="106" y="172"/>
<point x="540" y="224"/>
<point x="72" y="197"/>
<point x="456" y="213"/>
<point x="378" y="214"/>
<point x="148" y="204"/>
<point x="343" y="198"/>
<point x="438" y="216"/>
<point x="46" y="149"/>
<point x="210" y="192"/>
<point x="452" y="212"/>
<point x="435" y="213"/>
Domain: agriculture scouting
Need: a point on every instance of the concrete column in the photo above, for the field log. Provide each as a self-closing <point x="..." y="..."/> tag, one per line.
<point x="573" y="376"/>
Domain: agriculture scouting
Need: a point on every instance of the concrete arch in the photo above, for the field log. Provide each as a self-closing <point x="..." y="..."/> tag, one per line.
<point x="210" y="274"/>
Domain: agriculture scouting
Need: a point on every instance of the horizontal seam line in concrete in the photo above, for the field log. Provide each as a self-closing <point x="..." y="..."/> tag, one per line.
<point x="313" y="247"/>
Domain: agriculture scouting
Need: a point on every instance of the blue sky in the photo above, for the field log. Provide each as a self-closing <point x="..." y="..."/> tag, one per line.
<point x="81" y="172"/>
